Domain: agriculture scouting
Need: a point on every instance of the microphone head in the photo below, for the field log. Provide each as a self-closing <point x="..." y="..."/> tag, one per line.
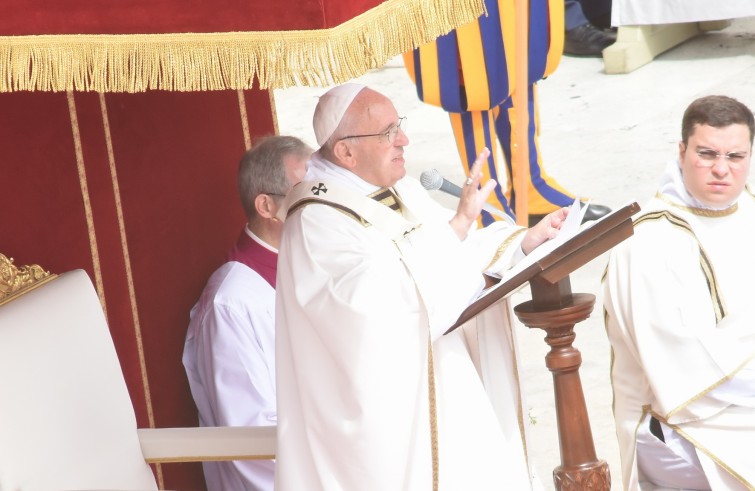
<point x="431" y="179"/>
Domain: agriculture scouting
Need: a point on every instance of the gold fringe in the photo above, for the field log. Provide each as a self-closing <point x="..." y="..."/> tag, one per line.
<point x="220" y="61"/>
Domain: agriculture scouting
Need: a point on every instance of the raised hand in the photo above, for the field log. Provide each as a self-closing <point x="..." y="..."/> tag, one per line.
<point x="473" y="196"/>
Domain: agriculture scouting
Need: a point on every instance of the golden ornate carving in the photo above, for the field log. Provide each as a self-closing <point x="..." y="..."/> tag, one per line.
<point x="592" y="477"/>
<point x="14" y="280"/>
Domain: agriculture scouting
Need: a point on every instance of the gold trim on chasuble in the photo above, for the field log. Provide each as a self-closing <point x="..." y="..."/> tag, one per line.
<point x="717" y="301"/>
<point x="693" y="441"/>
<point x="389" y="198"/>
<point x="346" y="211"/>
<point x="505" y="245"/>
<point x="702" y="212"/>
<point x="385" y="196"/>
<point x="612" y="359"/>
<point x="719" y="307"/>
<point x="432" y="406"/>
<point x="708" y="389"/>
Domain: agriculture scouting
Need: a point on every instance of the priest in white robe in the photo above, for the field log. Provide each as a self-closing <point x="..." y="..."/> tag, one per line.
<point x="372" y="396"/>
<point x="229" y="352"/>
<point x="680" y="317"/>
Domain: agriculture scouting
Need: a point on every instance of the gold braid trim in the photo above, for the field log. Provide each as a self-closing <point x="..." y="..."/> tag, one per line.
<point x="698" y="445"/>
<point x="719" y="307"/>
<point x="433" y="405"/>
<point x="504" y="245"/>
<point x="232" y="60"/>
<point x="703" y="212"/>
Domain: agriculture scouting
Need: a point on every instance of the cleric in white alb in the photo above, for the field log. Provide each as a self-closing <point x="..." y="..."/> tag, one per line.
<point x="680" y="313"/>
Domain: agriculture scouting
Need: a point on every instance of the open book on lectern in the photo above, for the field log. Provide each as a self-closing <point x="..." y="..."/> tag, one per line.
<point x="573" y="247"/>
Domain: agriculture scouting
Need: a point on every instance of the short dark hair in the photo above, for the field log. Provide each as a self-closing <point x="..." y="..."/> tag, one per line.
<point x="717" y="111"/>
<point x="261" y="170"/>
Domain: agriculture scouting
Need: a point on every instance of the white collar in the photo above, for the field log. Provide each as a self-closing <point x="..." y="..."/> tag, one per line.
<point x="673" y="189"/>
<point x="261" y="242"/>
<point x="320" y="168"/>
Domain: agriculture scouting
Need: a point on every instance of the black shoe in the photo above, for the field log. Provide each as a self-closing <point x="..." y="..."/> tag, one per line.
<point x="593" y="212"/>
<point x="587" y="40"/>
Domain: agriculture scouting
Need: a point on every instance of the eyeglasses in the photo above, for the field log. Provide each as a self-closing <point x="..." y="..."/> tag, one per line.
<point x="708" y="157"/>
<point x="390" y="135"/>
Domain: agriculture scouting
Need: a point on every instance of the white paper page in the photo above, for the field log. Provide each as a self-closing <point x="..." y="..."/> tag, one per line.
<point x="569" y="229"/>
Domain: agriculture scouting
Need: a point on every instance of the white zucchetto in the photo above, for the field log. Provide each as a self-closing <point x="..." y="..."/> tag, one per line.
<point x="331" y="108"/>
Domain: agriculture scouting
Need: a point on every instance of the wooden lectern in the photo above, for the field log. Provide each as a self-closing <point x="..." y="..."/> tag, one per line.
<point x="556" y="310"/>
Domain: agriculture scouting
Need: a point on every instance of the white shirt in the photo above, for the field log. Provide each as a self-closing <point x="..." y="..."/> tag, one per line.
<point x="229" y="356"/>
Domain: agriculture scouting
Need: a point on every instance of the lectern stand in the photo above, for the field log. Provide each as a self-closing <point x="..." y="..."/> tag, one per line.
<point x="556" y="310"/>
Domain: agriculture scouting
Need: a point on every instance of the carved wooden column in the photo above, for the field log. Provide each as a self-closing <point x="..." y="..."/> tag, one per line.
<point x="556" y="310"/>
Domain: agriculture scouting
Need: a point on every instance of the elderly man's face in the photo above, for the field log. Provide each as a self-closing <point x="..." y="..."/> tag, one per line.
<point x="379" y="157"/>
<point x="715" y="163"/>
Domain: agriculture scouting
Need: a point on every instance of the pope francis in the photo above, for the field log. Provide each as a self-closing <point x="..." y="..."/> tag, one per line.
<point x="372" y="271"/>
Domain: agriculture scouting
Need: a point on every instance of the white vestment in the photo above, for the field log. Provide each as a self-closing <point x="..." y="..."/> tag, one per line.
<point x="355" y="313"/>
<point x="679" y="315"/>
<point x="229" y="355"/>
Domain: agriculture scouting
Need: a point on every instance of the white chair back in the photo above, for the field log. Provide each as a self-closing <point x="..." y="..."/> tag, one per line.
<point x="66" y="418"/>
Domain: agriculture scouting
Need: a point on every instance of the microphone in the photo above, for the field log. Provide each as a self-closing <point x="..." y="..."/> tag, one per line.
<point x="433" y="181"/>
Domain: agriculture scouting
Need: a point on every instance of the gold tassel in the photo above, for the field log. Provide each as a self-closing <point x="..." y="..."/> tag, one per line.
<point x="220" y="61"/>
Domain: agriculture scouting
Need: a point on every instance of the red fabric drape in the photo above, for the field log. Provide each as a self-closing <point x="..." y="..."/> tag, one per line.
<point x="32" y="17"/>
<point x="175" y="157"/>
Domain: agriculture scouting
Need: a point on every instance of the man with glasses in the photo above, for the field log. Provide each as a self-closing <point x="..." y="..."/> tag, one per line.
<point x="229" y="353"/>
<point x="679" y="314"/>
<point x="372" y="272"/>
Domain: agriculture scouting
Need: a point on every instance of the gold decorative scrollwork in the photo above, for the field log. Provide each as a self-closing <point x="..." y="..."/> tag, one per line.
<point x="594" y="476"/>
<point x="15" y="280"/>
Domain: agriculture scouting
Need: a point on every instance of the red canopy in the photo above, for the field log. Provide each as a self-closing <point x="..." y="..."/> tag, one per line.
<point x="138" y="45"/>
